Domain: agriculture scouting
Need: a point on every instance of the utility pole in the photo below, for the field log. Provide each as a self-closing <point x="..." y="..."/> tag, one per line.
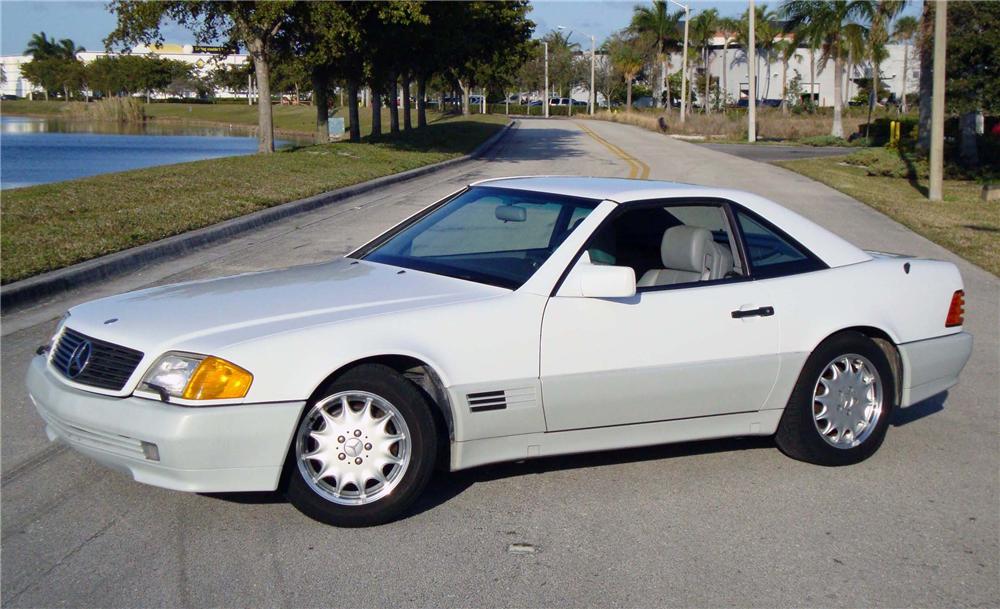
<point x="752" y="61"/>
<point x="545" y="99"/>
<point x="937" y="100"/>
<point x="593" y="56"/>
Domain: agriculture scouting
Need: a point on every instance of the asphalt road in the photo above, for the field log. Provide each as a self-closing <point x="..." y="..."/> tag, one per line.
<point x="767" y="152"/>
<point x="702" y="524"/>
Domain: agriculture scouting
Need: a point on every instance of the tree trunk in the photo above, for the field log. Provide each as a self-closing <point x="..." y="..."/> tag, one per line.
<point x="784" y="86"/>
<point x="847" y="83"/>
<point x="669" y="105"/>
<point x="319" y="84"/>
<point x="838" y="93"/>
<point x="407" y="123"/>
<point x="376" y="109"/>
<point x="926" y="76"/>
<point x="352" y="110"/>
<point x="465" y="97"/>
<point x="725" y="69"/>
<point x="628" y="95"/>
<point x="906" y="67"/>
<point x="421" y="104"/>
<point x="265" y="126"/>
<point x="813" y="102"/>
<point x="394" y="104"/>
<point x="708" y="83"/>
<point x="664" y="86"/>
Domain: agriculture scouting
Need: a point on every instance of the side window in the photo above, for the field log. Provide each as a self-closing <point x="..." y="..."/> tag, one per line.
<point x="670" y="245"/>
<point x="770" y="254"/>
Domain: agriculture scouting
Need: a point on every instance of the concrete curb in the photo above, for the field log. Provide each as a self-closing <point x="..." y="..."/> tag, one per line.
<point x="71" y="277"/>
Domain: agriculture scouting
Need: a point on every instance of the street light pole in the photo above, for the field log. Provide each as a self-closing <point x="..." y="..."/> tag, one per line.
<point x="684" y="59"/>
<point x="593" y="54"/>
<point x="545" y="99"/>
<point x="752" y="86"/>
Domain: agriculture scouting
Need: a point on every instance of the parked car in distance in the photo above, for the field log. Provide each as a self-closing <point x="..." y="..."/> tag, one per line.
<point x="514" y="319"/>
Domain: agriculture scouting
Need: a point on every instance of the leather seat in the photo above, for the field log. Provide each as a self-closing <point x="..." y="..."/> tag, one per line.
<point x="689" y="253"/>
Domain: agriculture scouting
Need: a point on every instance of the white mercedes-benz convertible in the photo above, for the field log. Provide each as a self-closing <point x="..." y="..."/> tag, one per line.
<point x="517" y="318"/>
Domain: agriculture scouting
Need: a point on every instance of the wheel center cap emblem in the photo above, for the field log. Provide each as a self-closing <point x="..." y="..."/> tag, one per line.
<point x="79" y="359"/>
<point x="353" y="447"/>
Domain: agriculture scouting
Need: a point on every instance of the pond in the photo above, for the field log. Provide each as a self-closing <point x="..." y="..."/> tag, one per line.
<point x="42" y="150"/>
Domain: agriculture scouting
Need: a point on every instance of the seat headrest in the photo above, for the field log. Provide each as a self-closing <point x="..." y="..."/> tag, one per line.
<point x="683" y="248"/>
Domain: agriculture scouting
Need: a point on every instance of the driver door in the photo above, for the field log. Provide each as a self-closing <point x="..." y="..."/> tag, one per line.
<point x="685" y="350"/>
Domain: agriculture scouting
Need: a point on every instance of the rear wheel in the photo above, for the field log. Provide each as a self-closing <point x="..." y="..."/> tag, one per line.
<point x="839" y="411"/>
<point x="364" y="451"/>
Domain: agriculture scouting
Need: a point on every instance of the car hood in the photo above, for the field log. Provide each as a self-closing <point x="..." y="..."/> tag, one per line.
<point x="208" y="314"/>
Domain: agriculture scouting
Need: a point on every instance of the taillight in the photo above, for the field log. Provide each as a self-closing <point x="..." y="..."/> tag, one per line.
<point x="956" y="312"/>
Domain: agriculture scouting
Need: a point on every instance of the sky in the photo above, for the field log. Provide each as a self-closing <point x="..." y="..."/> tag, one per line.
<point x="87" y="22"/>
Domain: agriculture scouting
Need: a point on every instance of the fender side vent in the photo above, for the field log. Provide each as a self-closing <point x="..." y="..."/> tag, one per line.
<point x="486" y="400"/>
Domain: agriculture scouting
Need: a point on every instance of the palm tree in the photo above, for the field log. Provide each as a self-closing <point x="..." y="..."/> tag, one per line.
<point x="660" y="26"/>
<point x="878" y="36"/>
<point x="67" y="49"/>
<point x="41" y="47"/>
<point x="786" y="50"/>
<point x="837" y="23"/>
<point x="627" y="58"/>
<point x="728" y="27"/>
<point x="906" y="28"/>
<point x="703" y="29"/>
<point x="766" y="31"/>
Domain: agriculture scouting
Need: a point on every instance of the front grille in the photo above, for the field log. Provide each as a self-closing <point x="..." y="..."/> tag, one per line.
<point x="108" y="367"/>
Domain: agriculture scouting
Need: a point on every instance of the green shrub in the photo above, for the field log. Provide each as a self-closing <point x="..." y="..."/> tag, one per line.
<point x="889" y="163"/>
<point x="823" y="140"/>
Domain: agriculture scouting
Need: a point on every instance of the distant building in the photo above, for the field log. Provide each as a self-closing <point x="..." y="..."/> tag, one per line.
<point x="204" y="60"/>
<point x="769" y="75"/>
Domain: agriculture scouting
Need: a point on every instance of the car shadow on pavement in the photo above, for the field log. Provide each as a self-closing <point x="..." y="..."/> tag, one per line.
<point x="914" y="412"/>
<point x="447" y="485"/>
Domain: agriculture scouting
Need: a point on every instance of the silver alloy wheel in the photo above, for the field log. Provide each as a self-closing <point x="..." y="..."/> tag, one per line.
<point x="847" y="401"/>
<point x="353" y="448"/>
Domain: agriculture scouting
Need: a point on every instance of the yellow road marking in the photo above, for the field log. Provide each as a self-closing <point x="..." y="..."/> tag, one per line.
<point x="636" y="167"/>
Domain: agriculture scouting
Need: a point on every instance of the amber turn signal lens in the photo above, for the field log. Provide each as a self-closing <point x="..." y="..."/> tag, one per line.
<point x="956" y="312"/>
<point x="217" y="379"/>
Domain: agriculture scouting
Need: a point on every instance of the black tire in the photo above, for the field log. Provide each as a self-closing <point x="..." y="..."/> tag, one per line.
<point x="416" y="412"/>
<point x="798" y="436"/>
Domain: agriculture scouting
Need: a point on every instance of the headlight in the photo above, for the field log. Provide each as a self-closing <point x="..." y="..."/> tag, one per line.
<point x="198" y="377"/>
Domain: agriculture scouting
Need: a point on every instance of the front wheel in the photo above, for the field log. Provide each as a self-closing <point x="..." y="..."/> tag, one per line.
<point x="839" y="410"/>
<point x="364" y="451"/>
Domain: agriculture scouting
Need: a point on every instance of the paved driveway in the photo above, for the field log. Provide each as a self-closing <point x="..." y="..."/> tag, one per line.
<point x="703" y="524"/>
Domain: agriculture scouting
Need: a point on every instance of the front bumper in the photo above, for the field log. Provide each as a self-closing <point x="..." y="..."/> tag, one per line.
<point x="207" y="449"/>
<point x="933" y="365"/>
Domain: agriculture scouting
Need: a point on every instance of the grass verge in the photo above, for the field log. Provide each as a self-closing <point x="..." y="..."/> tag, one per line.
<point x="287" y="118"/>
<point x="963" y="222"/>
<point x="772" y="125"/>
<point x="50" y="226"/>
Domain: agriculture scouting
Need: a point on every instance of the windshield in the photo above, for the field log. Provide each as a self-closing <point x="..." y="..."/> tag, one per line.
<point x="496" y="236"/>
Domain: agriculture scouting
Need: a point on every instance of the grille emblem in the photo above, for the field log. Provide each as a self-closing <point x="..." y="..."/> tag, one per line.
<point x="79" y="359"/>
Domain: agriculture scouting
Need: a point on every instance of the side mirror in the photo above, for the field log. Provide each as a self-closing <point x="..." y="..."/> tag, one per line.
<point x="599" y="281"/>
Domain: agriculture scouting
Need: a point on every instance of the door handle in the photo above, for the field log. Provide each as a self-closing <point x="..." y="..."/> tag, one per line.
<point x="759" y="312"/>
